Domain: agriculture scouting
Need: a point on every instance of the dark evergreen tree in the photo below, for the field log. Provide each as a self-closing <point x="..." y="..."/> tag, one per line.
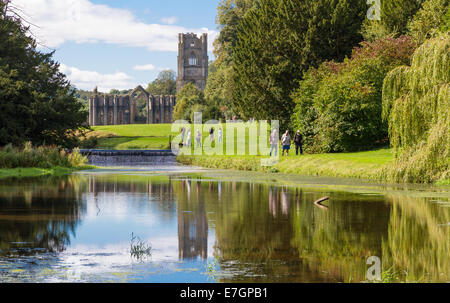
<point x="36" y="101"/>
<point x="280" y="39"/>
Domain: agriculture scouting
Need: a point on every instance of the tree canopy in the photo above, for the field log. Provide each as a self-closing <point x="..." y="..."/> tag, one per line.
<point x="164" y="84"/>
<point x="278" y="40"/>
<point x="37" y="102"/>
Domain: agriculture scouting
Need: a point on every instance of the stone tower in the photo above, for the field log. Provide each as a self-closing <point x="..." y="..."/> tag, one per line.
<point x="192" y="60"/>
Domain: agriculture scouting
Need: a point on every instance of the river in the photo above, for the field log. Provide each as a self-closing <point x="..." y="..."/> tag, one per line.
<point x="219" y="226"/>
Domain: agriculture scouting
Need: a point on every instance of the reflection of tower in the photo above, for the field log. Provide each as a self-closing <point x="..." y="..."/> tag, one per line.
<point x="192" y="230"/>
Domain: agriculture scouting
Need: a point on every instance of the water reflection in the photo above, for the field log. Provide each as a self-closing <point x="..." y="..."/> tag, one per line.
<point x="37" y="217"/>
<point x="258" y="232"/>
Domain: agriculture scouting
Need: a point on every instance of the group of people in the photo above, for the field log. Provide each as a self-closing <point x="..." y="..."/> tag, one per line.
<point x="285" y="142"/>
<point x="198" y="137"/>
<point x="273" y="140"/>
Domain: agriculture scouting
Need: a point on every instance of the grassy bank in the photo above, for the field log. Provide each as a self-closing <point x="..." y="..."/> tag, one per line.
<point x="29" y="161"/>
<point x="124" y="137"/>
<point x="367" y="165"/>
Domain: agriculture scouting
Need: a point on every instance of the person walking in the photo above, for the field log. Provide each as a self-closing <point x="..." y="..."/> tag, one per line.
<point x="199" y="139"/>
<point x="188" y="138"/>
<point x="298" y="140"/>
<point x="286" y="142"/>
<point x="183" y="131"/>
<point x="220" y="135"/>
<point x="273" y="140"/>
<point x="211" y="134"/>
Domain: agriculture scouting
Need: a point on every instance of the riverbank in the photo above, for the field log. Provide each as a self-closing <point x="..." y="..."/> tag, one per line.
<point x="33" y="161"/>
<point x="369" y="165"/>
<point x="362" y="165"/>
<point x="29" y="172"/>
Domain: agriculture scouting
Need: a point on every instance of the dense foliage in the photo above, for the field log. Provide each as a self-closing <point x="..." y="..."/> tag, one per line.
<point x="42" y="156"/>
<point x="280" y="39"/>
<point x="36" y="100"/>
<point x="164" y="84"/>
<point x="416" y="102"/>
<point x="338" y="105"/>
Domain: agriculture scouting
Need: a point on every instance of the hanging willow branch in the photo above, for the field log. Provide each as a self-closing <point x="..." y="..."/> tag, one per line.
<point x="416" y="103"/>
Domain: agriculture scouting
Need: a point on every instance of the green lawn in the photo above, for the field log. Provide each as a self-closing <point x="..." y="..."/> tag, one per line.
<point x="135" y="136"/>
<point x="366" y="165"/>
<point x="137" y="130"/>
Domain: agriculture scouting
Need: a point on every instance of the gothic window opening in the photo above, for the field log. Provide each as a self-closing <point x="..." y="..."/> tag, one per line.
<point x="192" y="60"/>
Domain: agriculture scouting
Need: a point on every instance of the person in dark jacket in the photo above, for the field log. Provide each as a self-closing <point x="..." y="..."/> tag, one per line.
<point x="298" y="140"/>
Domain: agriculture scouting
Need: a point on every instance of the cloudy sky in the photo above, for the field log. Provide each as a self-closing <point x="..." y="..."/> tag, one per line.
<point x="116" y="43"/>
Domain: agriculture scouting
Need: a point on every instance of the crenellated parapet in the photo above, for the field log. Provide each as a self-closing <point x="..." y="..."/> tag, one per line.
<point x="107" y="109"/>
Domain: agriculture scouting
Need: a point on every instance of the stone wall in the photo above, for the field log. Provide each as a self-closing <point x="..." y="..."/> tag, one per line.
<point x="107" y="109"/>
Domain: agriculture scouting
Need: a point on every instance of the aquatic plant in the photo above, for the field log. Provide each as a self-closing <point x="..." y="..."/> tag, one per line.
<point x="139" y="249"/>
<point x="211" y="269"/>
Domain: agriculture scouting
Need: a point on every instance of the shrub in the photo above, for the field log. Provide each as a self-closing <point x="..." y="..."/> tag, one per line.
<point x="42" y="156"/>
<point x="338" y="105"/>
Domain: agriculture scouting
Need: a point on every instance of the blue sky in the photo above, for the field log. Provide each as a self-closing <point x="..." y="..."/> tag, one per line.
<point x="117" y="43"/>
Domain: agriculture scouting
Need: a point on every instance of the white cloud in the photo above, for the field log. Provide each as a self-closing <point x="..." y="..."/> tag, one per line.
<point x="81" y="21"/>
<point x="169" y="20"/>
<point x="88" y="80"/>
<point x="147" y="67"/>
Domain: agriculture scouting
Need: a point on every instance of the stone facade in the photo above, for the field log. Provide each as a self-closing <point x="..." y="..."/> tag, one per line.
<point x="107" y="109"/>
<point x="192" y="60"/>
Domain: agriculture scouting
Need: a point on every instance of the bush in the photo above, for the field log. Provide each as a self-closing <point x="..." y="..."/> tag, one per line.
<point x="338" y="106"/>
<point x="42" y="156"/>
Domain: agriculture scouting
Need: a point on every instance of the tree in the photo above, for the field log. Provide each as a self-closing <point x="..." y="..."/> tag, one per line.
<point x="229" y="14"/>
<point x="189" y="96"/>
<point x="164" y="84"/>
<point x="279" y="40"/>
<point x="219" y="90"/>
<point x="428" y="20"/>
<point x="416" y="103"/>
<point x="338" y="105"/>
<point x="395" y="15"/>
<point x="37" y="102"/>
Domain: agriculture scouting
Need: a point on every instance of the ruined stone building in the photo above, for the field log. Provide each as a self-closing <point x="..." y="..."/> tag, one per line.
<point x="105" y="109"/>
<point x="192" y="60"/>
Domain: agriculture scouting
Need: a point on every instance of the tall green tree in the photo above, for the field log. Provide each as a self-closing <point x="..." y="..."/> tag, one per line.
<point x="395" y="15"/>
<point x="189" y="99"/>
<point x="164" y="84"/>
<point x="429" y="20"/>
<point x="280" y="39"/>
<point x="37" y="102"/>
<point x="416" y="103"/>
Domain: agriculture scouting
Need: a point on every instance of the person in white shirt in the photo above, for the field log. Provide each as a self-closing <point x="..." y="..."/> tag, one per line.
<point x="286" y="142"/>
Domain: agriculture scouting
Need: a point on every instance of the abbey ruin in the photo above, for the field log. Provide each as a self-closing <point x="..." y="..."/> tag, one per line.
<point x="107" y="109"/>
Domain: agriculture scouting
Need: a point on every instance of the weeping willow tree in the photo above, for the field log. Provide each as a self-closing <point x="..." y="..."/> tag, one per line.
<point x="416" y="103"/>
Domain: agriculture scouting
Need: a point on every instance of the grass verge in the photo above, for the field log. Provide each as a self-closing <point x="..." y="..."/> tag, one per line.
<point x="365" y="165"/>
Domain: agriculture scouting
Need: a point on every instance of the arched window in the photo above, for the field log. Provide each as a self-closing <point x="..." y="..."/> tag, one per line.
<point x="192" y="60"/>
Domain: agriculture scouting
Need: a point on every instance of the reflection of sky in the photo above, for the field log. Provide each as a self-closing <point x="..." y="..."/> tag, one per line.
<point x="101" y="246"/>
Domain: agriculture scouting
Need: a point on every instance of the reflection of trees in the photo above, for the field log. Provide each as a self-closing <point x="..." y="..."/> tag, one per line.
<point x="418" y="243"/>
<point x="339" y="240"/>
<point x="39" y="215"/>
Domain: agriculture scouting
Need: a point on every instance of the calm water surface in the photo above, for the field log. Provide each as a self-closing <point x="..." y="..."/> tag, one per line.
<point x="78" y="228"/>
